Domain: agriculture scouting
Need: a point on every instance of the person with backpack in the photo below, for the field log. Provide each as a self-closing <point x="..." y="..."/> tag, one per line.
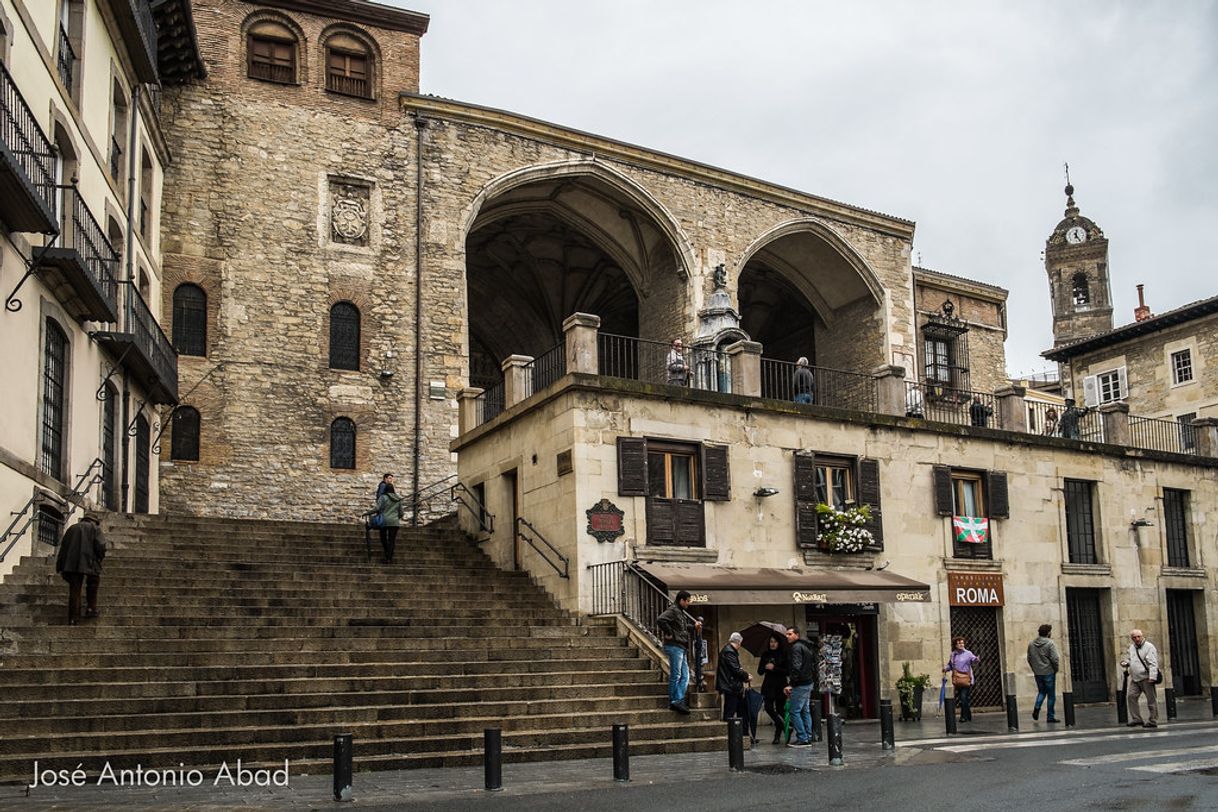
<point x="387" y="519"/>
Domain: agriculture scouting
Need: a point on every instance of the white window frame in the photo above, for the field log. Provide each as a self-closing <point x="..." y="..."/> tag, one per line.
<point x="1109" y="386"/>
<point x="1185" y="355"/>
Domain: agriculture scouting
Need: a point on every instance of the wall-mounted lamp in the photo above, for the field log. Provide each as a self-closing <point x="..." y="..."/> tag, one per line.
<point x="1141" y="523"/>
<point x="762" y="493"/>
<point x="387" y="365"/>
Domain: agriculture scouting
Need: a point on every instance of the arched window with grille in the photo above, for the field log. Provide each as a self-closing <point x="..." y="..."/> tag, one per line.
<point x="54" y="399"/>
<point x="344" y="336"/>
<point x="342" y="443"/>
<point x="185" y="445"/>
<point x="190" y="320"/>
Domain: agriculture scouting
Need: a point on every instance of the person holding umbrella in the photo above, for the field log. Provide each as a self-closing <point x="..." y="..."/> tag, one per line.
<point x="773" y="668"/>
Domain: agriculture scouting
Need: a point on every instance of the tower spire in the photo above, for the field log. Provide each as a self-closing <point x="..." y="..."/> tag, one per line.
<point x="1071" y="208"/>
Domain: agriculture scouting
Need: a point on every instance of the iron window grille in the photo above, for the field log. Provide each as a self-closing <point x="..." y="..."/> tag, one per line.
<point x="109" y="430"/>
<point x="142" y="463"/>
<point x="272" y="60"/>
<point x="66" y="60"/>
<point x="50" y="525"/>
<point x="54" y="399"/>
<point x="185" y="444"/>
<point x="1188" y="432"/>
<point x="1175" y="515"/>
<point x="1182" y="366"/>
<point x="342" y="443"/>
<point x="1080" y="522"/>
<point x="344" y="336"/>
<point x="190" y="320"/>
<point x="945" y="350"/>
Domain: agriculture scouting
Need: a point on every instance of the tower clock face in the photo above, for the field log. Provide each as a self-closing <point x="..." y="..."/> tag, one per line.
<point x="1076" y="235"/>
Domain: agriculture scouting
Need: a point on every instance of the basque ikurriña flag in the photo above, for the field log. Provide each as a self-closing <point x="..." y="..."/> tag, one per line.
<point x="971" y="529"/>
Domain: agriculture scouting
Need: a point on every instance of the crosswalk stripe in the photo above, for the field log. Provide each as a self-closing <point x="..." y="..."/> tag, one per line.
<point x="997" y="739"/>
<point x="1178" y="766"/>
<point x="1005" y="745"/>
<point x="1140" y="755"/>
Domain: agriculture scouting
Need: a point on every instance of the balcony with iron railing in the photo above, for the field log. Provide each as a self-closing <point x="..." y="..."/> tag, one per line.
<point x="66" y="60"/>
<point x="138" y="29"/>
<point x="81" y="269"/>
<point x="143" y="348"/>
<point x="27" y="165"/>
<point x="116" y="159"/>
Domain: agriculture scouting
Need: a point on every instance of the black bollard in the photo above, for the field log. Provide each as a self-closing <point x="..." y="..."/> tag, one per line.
<point x="1122" y="708"/>
<point x="887" y="736"/>
<point x="342" y="767"/>
<point x="735" y="745"/>
<point x="1012" y="714"/>
<point x="621" y="752"/>
<point x="1169" y="699"/>
<point x="833" y="732"/>
<point x="949" y="713"/>
<point x="814" y="708"/>
<point x="492" y="759"/>
<point x="1214" y="701"/>
<point x="1068" y="707"/>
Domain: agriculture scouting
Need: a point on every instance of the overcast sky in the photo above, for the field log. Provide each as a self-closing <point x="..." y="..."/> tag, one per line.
<point x="955" y="115"/>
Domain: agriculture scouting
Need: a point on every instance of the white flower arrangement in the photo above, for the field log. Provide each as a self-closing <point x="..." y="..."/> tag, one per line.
<point x="845" y="531"/>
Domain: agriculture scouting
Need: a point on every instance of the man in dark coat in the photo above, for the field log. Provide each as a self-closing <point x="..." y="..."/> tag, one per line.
<point x="731" y="680"/>
<point x="80" y="563"/>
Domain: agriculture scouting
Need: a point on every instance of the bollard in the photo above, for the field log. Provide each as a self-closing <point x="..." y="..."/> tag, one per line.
<point x="1169" y="699"/>
<point x="492" y="759"/>
<point x="342" y="767"/>
<point x="887" y="736"/>
<point x="1122" y="707"/>
<point x="1068" y="707"/>
<point x="1012" y="714"/>
<point x="735" y="745"/>
<point x="833" y="732"/>
<point x="949" y="713"/>
<point x="621" y="752"/>
<point x="1214" y="701"/>
<point x="816" y="717"/>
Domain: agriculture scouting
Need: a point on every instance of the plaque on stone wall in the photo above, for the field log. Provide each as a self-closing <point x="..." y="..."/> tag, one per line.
<point x="349" y="203"/>
<point x="605" y="521"/>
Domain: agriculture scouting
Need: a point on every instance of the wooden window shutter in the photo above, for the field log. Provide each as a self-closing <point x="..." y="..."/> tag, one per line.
<point x="945" y="502"/>
<point x="807" y="532"/>
<point x="869" y="494"/>
<point x="996" y="495"/>
<point x="691" y="523"/>
<point x="716" y="479"/>
<point x="661" y="521"/>
<point x="631" y="466"/>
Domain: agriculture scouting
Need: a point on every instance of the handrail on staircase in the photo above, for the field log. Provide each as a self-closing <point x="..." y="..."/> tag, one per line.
<point x="525" y="529"/>
<point x="90" y="477"/>
<point x="467" y="499"/>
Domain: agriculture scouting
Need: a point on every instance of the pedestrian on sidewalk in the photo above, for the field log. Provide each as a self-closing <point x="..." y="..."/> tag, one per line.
<point x="732" y="680"/>
<point x="960" y="664"/>
<point x="80" y="563"/>
<point x="1142" y="663"/>
<point x="773" y="668"/>
<point x="676" y="627"/>
<point x="1045" y="661"/>
<point x="389" y="507"/>
<point x="801" y="678"/>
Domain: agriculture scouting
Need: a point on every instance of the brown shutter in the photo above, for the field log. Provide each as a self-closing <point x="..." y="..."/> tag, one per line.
<point x="631" y="466"/>
<point x="996" y="495"/>
<point x="661" y="521"/>
<point x="869" y="494"/>
<point x="716" y="480"/>
<point x="944" y="498"/>
<point x="806" y="530"/>
<point x="691" y="526"/>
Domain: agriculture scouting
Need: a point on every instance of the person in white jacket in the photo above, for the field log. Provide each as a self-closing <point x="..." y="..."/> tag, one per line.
<point x="1142" y="662"/>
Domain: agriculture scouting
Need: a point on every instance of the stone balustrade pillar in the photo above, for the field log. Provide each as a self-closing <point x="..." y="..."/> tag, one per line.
<point x="517" y="383"/>
<point x="745" y="359"/>
<point x="467" y="409"/>
<point x="1115" y="417"/>
<point x="890" y="389"/>
<point x="1012" y="408"/>
<point x="1206" y="432"/>
<point x="579" y="334"/>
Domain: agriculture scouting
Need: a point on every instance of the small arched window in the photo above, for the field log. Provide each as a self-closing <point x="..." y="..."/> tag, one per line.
<point x="1080" y="290"/>
<point x="349" y="65"/>
<point x="271" y="49"/>
<point x="185" y="445"/>
<point x="344" y="336"/>
<point x="342" y="443"/>
<point x="190" y="320"/>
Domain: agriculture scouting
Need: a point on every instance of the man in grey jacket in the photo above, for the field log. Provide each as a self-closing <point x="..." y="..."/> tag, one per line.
<point x="1045" y="661"/>
<point x="1142" y="661"/>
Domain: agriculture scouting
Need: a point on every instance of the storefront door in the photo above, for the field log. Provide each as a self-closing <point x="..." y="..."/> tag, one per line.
<point x="1182" y="634"/>
<point x="1086" y="645"/>
<point x="860" y="656"/>
<point x="979" y="627"/>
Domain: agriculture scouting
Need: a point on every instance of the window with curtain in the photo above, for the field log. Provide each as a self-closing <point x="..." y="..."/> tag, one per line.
<point x="344" y="336"/>
<point x="190" y="320"/>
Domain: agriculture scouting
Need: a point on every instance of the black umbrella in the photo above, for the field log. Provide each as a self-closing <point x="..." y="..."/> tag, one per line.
<point x="757" y="637"/>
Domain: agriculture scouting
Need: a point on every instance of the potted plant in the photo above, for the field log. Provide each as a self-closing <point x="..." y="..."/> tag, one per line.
<point x="844" y="531"/>
<point x="910" y="688"/>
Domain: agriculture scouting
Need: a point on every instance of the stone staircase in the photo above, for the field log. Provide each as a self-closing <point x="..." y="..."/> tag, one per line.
<point x="224" y="639"/>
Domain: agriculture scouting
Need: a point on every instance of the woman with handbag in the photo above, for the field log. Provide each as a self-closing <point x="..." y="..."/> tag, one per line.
<point x="773" y="669"/>
<point x="960" y="665"/>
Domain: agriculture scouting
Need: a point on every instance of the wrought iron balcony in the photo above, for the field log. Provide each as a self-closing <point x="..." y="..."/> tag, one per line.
<point x="27" y="165"/>
<point x="116" y="159"/>
<point x="142" y="347"/>
<point x="139" y="32"/>
<point x="66" y="60"/>
<point x="81" y="268"/>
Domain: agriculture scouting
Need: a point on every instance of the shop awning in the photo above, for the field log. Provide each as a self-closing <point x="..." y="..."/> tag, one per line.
<point x="742" y="585"/>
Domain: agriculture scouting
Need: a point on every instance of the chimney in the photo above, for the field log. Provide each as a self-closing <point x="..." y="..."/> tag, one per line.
<point x="1141" y="312"/>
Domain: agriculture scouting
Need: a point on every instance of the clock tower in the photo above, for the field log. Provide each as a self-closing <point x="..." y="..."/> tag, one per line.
<point x="1076" y="259"/>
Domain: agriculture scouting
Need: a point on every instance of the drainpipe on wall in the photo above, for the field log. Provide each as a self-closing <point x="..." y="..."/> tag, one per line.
<point x="130" y="252"/>
<point x="420" y="125"/>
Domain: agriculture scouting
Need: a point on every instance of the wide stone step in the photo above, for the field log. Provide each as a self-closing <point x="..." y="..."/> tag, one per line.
<point x="205" y="604"/>
<point x="342" y="629"/>
<point x="305" y="590"/>
<point x="402" y="614"/>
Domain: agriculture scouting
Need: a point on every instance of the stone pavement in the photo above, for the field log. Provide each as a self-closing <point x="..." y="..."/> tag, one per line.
<point x="423" y="787"/>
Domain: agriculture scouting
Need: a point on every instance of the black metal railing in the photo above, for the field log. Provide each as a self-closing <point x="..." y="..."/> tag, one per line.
<point x="961" y="407"/>
<point x="144" y="221"/>
<point x="466" y="498"/>
<point x="1043" y="418"/>
<point x="639" y="359"/>
<point x="146" y="23"/>
<point x="25" y="140"/>
<point x="1157" y="434"/>
<point x="546" y="368"/>
<point x="84" y="235"/>
<point x="116" y="159"/>
<point x="151" y="340"/>
<point x="37" y="506"/>
<point x="66" y="60"/>
<point x="838" y="388"/>
<point x="530" y="535"/>
<point x="488" y="405"/>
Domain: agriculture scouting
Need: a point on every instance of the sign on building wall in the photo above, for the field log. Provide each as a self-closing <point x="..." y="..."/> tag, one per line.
<point x="974" y="589"/>
<point x="605" y="521"/>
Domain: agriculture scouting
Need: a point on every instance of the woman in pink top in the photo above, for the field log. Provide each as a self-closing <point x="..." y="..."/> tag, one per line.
<point x="960" y="666"/>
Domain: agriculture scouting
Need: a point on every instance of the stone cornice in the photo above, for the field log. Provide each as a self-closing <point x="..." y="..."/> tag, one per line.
<point x="949" y="282"/>
<point x="356" y="11"/>
<point x="595" y="145"/>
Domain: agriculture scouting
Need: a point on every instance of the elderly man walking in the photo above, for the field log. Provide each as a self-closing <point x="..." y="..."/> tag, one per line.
<point x="731" y="679"/>
<point x="1142" y="661"/>
<point x="80" y="563"/>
